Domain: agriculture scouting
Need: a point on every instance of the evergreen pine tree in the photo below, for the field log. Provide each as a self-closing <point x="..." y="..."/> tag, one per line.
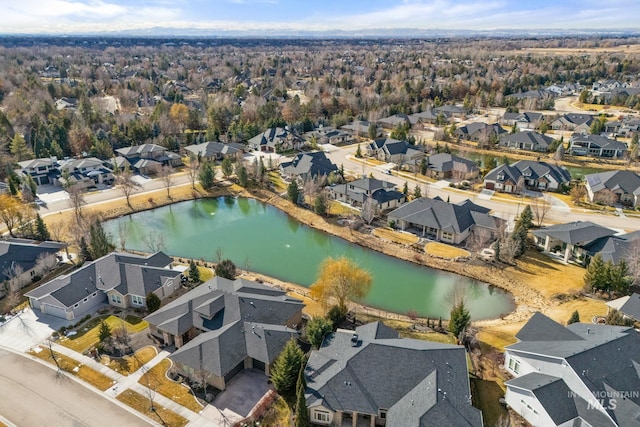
<point x="358" y="152"/>
<point x="575" y="318"/>
<point x="302" y="414"/>
<point x="459" y="320"/>
<point x="85" y="253"/>
<point x="405" y="189"/>
<point x="194" y="272"/>
<point x="417" y="192"/>
<point x="207" y="175"/>
<point x="153" y="302"/>
<point x="42" y="232"/>
<point x="104" y="333"/>
<point x="293" y="191"/>
<point x="596" y="276"/>
<point x="285" y="371"/>
<point x="99" y="242"/>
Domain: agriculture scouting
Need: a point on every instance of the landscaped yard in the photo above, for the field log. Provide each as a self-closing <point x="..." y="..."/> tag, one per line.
<point x="157" y="379"/>
<point x="486" y="397"/>
<point x="87" y="335"/>
<point x="401" y="237"/>
<point x="444" y="251"/>
<point x="142" y="404"/>
<point x="87" y="374"/>
<point x="129" y="364"/>
<point x="278" y="414"/>
<point x="340" y="209"/>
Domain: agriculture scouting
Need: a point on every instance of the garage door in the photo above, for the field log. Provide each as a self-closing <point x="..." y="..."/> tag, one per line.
<point x="54" y="311"/>
<point x="489" y="186"/>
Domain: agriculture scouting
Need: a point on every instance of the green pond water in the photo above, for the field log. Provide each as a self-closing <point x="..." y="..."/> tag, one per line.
<point x="261" y="238"/>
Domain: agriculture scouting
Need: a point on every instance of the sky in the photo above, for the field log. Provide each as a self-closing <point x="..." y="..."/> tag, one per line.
<point x="89" y="16"/>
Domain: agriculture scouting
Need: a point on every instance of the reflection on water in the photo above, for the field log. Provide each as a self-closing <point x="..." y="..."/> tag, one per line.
<point x="266" y="240"/>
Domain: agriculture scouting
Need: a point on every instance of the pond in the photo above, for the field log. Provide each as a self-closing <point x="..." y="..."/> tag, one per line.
<point x="261" y="238"/>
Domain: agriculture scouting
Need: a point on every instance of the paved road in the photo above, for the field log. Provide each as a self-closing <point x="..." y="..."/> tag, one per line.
<point x="33" y="396"/>
<point x="502" y="208"/>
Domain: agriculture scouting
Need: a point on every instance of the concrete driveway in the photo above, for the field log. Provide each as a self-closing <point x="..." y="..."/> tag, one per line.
<point x="243" y="392"/>
<point x="27" y="329"/>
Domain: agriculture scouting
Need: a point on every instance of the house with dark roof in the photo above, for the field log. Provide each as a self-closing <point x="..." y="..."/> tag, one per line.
<point x="451" y="111"/>
<point x="394" y="121"/>
<point x="148" y="158"/>
<point x="479" y="131"/>
<point x="276" y="140"/>
<point x="329" y="135"/>
<point x="525" y="120"/>
<point x="382" y="193"/>
<point x="596" y="146"/>
<point x="439" y="220"/>
<point x="581" y="374"/>
<point x="613" y="187"/>
<point x="19" y="258"/>
<point x="224" y="326"/>
<point x="119" y="279"/>
<point x="41" y="170"/>
<point x="569" y="239"/>
<point x="361" y="128"/>
<point x="373" y="377"/>
<point x="531" y="94"/>
<point x="445" y="166"/>
<point x="614" y="248"/>
<point x="86" y="171"/>
<point x="394" y="151"/>
<point x="538" y="176"/>
<point x="308" y="165"/>
<point x="628" y="305"/>
<point x="213" y="150"/>
<point x="528" y="141"/>
<point x="579" y="123"/>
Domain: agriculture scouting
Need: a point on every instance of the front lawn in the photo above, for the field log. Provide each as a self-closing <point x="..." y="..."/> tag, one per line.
<point x="87" y="335"/>
<point x="157" y="379"/>
<point x="129" y="364"/>
<point x="85" y="373"/>
<point x="142" y="404"/>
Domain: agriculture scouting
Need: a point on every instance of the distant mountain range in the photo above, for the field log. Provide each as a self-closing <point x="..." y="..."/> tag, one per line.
<point x="408" y="33"/>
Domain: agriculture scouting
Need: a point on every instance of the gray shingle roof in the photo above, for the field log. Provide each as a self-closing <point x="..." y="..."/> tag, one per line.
<point x="24" y="253"/>
<point x="575" y="233"/>
<point x="444" y="162"/>
<point x="619" y="180"/>
<point x="410" y="378"/>
<point x="309" y="164"/>
<point x="439" y="214"/>
<point x="538" y="141"/>
<point x="212" y="149"/>
<point x="632" y="307"/>
<point x="139" y="150"/>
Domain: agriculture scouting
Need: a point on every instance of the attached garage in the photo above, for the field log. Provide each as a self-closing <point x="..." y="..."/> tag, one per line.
<point x="53" y="310"/>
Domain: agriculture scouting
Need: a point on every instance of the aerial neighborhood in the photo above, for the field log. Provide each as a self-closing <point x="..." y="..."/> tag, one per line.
<point x="321" y="232"/>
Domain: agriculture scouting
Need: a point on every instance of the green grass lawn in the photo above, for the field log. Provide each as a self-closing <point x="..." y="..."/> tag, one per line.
<point x="87" y="335"/>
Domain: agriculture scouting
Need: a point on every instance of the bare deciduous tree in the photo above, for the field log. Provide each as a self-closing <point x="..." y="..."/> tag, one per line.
<point x="540" y="210"/>
<point x="166" y="174"/>
<point x="369" y="210"/>
<point x="480" y="238"/>
<point x="605" y="197"/>
<point x="127" y="184"/>
<point x="193" y="169"/>
<point x="154" y="241"/>
<point x="76" y="201"/>
<point x="632" y="256"/>
<point x="122" y="235"/>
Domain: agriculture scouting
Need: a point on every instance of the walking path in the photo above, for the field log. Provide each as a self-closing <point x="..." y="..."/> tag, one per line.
<point x="25" y="332"/>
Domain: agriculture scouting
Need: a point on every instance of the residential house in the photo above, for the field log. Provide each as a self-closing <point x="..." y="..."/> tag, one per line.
<point x="613" y="187"/>
<point x="395" y="151"/>
<point x="308" y="165"/>
<point x="526" y="120"/>
<point x="451" y="111"/>
<point x="214" y="150"/>
<point x="329" y="135"/>
<point x="148" y="158"/>
<point x="222" y="327"/>
<point x="629" y="127"/>
<point x="19" y="258"/>
<point x="565" y="89"/>
<point x="570" y="239"/>
<point x="439" y="220"/>
<point x="539" y="176"/>
<point x="41" y="170"/>
<point x="613" y="248"/>
<point x="579" y="123"/>
<point x="382" y="193"/>
<point x="446" y="166"/>
<point x="394" y="121"/>
<point x="119" y="279"/>
<point x="361" y="128"/>
<point x="607" y="85"/>
<point x="531" y="94"/>
<point x="628" y="305"/>
<point x="582" y="374"/>
<point x="88" y="171"/>
<point x="479" y="132"/>
<point x="66" y="104"/>
<point x="528" y="140"/>
<point x="276" y="140"/>
<point x="596" y="146"/>
<point x="372" y="377"/>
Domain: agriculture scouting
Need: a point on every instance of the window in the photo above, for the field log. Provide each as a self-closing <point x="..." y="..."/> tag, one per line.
<point x="447" y="236"/>
<point x="321" y="416"/>
<point x="95" y="294"/>
<point x="137" y="300"/>
<point x="514" y="365"/>
<point x="383" y="414"/>
<point x="116" y="299"/>
<point x="76" y="305"/>
<point x="86" y="299"/>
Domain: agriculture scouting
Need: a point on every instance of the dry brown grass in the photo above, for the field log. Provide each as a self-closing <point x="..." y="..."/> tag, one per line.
<point x="278" y="415"/>
<point x="142" y="404"/>
<point x="406" y="329"/>
<point x="547" y="276"/>
<point x="311" y="307"/>
<point x="340" y="209"/>
<point x="157" y="379"/>
<point x="587" y="308"/>
<point x="85" y="373"/>
<point x="84" y="340"/>
<point x="400" y="237"/>
<point x="129" y="364"/>
<point x="500" y="336"/>
<point x="444" y="251"/>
